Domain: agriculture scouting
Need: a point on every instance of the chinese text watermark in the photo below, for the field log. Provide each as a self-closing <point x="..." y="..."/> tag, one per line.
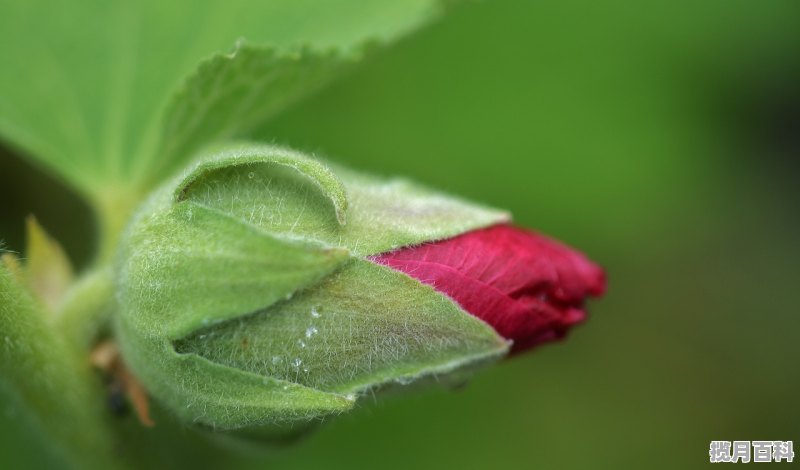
<point x="751" y="451"/>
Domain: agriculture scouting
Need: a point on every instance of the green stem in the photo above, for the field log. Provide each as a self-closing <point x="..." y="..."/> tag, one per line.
<point x="87" y="308"/>
<point x="52" y="380"/>
<point x="113" y="209"/>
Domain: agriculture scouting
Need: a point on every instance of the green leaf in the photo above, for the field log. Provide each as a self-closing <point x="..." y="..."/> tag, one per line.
<point x="362" y="327"/>
<point x="231" y="95"/>
<point x="86" y="83"/>
<point x="50" y="380"/>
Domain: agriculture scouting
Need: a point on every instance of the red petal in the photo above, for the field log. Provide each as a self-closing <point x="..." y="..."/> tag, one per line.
<point x="528" y="287"/>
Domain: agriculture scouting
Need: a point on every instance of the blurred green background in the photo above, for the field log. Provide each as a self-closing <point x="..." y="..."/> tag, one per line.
<point x="661" y="138"/>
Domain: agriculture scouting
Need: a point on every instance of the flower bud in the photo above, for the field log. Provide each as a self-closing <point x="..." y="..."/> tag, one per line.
<point x="529" y="288"/>
<point x="264" y="289"/>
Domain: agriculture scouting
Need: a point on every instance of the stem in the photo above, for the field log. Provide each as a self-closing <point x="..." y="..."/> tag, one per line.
<point x="44" y="359"/>
<point x="87" y="308"/>
<point x="52" y="379"/>
<point x="113" y="209"/>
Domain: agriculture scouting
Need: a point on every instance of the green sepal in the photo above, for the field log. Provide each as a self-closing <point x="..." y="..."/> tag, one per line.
<point x="220" y="397"/>
<point x="192" y="266"/>
<point x="224" y="274"/>
<point x="381" y="214"/>
<point x="263" y="158"/>
<point x="47" y="268"/>
<point x="365" y="326"/>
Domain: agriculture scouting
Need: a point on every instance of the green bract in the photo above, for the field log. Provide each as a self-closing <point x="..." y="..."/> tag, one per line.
<point x="246" y="298"/>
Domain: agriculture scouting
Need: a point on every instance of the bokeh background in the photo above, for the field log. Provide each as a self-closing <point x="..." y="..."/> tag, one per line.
<point x="662" y="138"/>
